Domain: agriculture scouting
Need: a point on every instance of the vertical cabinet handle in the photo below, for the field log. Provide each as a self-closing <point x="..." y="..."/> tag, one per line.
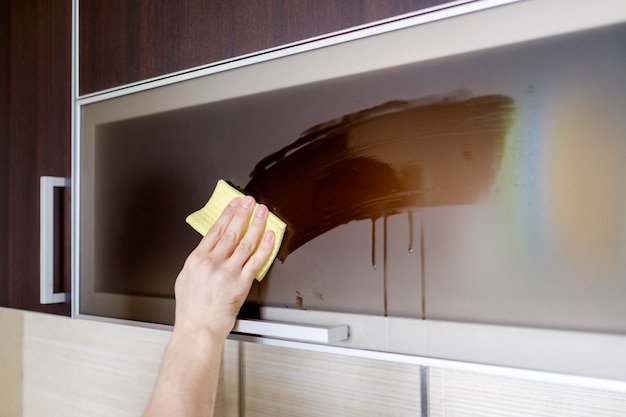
<point x="46" y="240"/>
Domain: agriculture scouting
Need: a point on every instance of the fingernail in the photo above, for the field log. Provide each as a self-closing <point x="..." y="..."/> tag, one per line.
<point x="235" y="202"/>
<point x="261" y="211"/>
<point x="269" y="236"/>
<point x="247" y="202"/>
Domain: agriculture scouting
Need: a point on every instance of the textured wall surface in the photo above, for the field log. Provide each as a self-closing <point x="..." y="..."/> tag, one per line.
<point x="10" y="363"/>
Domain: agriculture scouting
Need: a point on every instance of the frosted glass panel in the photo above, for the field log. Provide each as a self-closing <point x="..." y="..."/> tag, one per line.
<point x="485" y="187"/>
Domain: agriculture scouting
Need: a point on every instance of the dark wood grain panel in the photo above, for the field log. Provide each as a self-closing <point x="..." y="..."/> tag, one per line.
<point x="39" y="126"/>
<point x="5" y="12"/>
<point x="123" y="42"/>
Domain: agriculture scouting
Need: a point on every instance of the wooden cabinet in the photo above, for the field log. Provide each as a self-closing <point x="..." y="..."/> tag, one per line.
<point x="35" y="128"/>
<point x="4" y="142"/>
<point x="123" y="42"/>
<point x="120" y="42"/>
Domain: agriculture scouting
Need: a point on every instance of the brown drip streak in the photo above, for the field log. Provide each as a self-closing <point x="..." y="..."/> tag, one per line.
<point x="385" y="297"/>
<point x="410" y="218"/>
<point x="373" y="243"/>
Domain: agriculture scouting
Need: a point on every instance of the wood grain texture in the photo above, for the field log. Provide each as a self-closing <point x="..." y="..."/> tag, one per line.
<point x="38" y="141"/>
<point x="5" y="12"/>
<point x="82" y="368"/>
<point x="123" y="42"/>
<point x="76" y="368"/>
<point x="288" y="382"/>
<point x="459" y="393"/>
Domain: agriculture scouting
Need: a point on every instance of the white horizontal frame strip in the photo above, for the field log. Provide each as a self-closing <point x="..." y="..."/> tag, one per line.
<point x="503" y="371"/>
<point x="549" y="376"/>
<point x="576" y="353"/>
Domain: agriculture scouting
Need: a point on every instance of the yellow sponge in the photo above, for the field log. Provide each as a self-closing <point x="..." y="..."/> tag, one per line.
<point x="203" y="219"/>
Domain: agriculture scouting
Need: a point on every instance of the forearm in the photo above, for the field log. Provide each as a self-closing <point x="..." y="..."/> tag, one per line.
<point x="210" y="290"/>
<point x="188" y="378"/>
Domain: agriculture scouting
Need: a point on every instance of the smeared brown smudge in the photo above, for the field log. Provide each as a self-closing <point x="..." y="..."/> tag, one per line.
<point x="382" y="161"/>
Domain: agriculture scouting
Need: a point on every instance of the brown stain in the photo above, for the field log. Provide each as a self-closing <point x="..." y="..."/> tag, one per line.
<point x="381" y="161"/>
<point x="299" y="301"/>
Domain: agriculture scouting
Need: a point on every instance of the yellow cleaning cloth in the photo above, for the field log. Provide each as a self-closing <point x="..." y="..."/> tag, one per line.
<point x="203" y="219"/>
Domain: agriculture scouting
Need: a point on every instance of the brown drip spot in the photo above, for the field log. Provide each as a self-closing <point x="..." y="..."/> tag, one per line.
<point x="300" y="301"/>
<point x="384" y="160"/>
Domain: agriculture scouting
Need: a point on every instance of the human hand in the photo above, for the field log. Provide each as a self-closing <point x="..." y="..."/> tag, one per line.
<point x="217" y="275"/>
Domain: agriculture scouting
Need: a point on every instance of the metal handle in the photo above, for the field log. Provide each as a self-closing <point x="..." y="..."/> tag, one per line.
<point x="46" y="240"/>
<point x="304" y="333"/>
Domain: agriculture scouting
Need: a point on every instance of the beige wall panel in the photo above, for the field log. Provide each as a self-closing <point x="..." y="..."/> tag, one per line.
<point x="11" y="362"/>
<point x="81" y="367"/>
<point x="286" y="382"/>
<point x="227" y="401"/>
<point x="458" y="393"/>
